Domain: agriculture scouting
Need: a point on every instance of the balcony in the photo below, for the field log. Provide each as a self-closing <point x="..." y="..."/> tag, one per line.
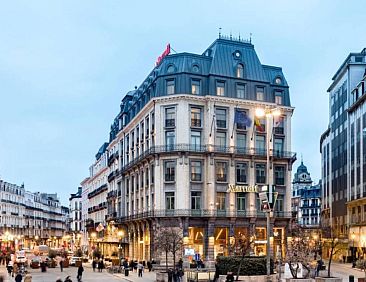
<point x="112" y="158"/>
<point x="208" y="149"/>
<point x="202" y="213"/>
<point x="112" y="175"/>
<point x="112" y="194"/>
<point x="98" y="191"/>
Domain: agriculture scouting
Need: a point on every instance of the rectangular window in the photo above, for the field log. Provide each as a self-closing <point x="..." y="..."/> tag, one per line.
<point x="240" y="201"/>
<point x="259" y="93"/>
<point x="278" y="97"/>
<point x="169" y="200"/>
<point x="279" y="125"/>
<point x="169" y="117"/>
<point x="196" y="171"/>
<point x="220" y="140"/>
<point x="220" y="115"/>
<point x="240" y="113"/>
<point x="278" y="147"/>
<point x="169" y="171"/>
<point x="240" y="91"/>
<point x="196" y="117"/>
<point x="279" y="203"/>
<point x="260" y="173"/>
<point x="170" y="86"/>
<point x="195" y="200"/>
<point x="220" y="88"/>
<point x="195" y="140"/>
<point x="241" y="172"/>
<point x="241" y="142"/>
<point x="221" y="171"/>
<point x="260" y="144"/>
<point x="279" y="176"/>
<point x="221" y="201"/>
<point x="152" y="172"/>
<point x="170" y="140"/>
<point x="196" y="87"/>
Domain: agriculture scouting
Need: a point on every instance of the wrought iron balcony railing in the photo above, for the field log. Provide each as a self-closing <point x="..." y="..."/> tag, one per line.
<point x="202" y="213"/>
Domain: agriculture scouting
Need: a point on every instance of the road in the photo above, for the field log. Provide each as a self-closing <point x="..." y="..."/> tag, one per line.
<point x="53" y="273"/>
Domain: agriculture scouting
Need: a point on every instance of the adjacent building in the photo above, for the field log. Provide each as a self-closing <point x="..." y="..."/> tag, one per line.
<point x="75" y="205"/>
<point x="306" y="199"/>
<point x="28" y="218"/>
<point x="341" y="146"/>
<point x="179" y="158"/>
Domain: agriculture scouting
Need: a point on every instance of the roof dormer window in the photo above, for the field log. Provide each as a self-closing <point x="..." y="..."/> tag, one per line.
<point x="240" y="71"/>
<point x="170" y="69"/>
<point x="278" y="80"/>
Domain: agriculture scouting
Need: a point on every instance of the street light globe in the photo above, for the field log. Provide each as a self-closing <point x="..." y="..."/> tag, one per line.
<point x="93" y="235"/>
<point x="353" y="236"/>
<point x="276" y="112"/>
<point x="36" y="237"/>
<point x="120" y="233"/>
<point x="259" y="112"/>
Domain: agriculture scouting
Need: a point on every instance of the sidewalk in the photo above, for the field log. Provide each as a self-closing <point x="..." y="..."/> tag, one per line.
<point x="132" y="277"/>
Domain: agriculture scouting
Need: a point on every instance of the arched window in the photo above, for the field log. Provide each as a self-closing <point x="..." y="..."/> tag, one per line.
<point x="170" y="69"/>
<point x="240" y="71"/>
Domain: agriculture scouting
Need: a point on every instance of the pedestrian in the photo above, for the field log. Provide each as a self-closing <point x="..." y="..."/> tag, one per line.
<point x="62" y="264"/>
<point x="68" y="279"/>
<point x="318" y="267"/>
<point x="18" y="278"/>
<point x="100" y="265"/>
<point x="15" y="269"/>
<point x="170" y="275"/>
<point x="9" y="267"/>
<point x="94" y="264"/>
<point x="140" y="268"/>
<point x="28" y="278"/>
<point x="80" y="272"/>
<point x="149" y="266"/>
<point x="135" y="266"/>
<point x="175" y="275"/>
<point x="59" y="279"/>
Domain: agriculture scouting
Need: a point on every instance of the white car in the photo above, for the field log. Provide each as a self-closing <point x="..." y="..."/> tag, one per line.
<point x="73" y="260"/>
<point x="21" y="259"/>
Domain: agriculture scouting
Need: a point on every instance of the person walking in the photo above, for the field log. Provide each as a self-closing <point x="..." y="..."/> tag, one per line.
<point x="100" y="265"/>
<point x="94" y="264"/>
<point x="149" y="265"/>
<point x="18" y="278"/>
<point x="140" y="268"/>
<point x="62" y="264"/>
<point x="80" y="272"/>
<point x="28" y="278"/>
<point x="9" y="267"/>
<point x="58" y="279"/>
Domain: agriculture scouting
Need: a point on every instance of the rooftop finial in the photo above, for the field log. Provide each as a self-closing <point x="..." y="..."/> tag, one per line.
<point x="231" y="36"/>
<point x="239" y="36"/>
<point x="250" y="38"/>
<point x="220" y="32"/>
<point x="301" y="159"/>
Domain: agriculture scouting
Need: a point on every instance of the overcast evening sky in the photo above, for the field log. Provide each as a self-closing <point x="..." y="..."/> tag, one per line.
<point x="65" y="66"/>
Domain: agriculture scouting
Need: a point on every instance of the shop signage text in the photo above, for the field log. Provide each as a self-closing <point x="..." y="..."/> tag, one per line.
<point x="242" y="188"/>
<point x="162" y="56"/>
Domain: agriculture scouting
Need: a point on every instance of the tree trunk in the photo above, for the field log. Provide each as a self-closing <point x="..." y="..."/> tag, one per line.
<point x="166" y="260"/>
<point x="330" y="260"/>
<point x="173" y="260"/>
<point x="240" y="264"/>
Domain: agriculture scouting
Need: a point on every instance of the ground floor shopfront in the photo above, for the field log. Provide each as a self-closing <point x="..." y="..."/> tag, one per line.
<point x="206" y="237"/>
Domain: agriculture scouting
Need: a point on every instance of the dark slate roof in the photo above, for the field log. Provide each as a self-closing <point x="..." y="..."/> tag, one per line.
<point x="101" y="150"/>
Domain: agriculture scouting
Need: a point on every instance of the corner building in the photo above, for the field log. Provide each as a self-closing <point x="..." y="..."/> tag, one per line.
<point x="174" y="151"/>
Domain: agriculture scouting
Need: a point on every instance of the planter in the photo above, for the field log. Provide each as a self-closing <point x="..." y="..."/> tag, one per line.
<point x="256" y="278"/>
<point x="328" y="279"/>
<point x="161" y="277"/>
<point x="299" y="280"/>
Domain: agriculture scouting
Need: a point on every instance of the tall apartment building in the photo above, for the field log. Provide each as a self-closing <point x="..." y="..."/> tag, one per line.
<point x="30" y="218"/>
<point x="75" y="205"/>
<point x="306" y="198"/>
<point x="94" y="191"/>
<point x="177" y="159"/>
<point x="343" y="184"/>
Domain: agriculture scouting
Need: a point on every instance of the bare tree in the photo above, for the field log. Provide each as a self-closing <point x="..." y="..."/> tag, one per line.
<point x="240" y="245"/>
<point x="299" y="252"/>
<point x="169" y="240"/>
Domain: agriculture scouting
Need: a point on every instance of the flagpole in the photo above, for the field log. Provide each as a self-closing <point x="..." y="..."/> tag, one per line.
<point x="213" y="119"/>
<point x="270" y="140"/>
<point x="232" y="132"/>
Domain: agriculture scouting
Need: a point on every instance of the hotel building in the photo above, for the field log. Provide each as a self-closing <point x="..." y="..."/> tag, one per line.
<point x="174" y="150"/>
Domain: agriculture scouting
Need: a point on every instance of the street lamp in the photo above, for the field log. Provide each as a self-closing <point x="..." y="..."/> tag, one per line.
<point x="353" y="236"/>
<point x="268" y="113"/>
<point x="120" y="236"/>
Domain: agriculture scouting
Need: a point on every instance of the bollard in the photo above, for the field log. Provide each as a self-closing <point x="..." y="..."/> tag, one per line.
<point x="351" y="278"/>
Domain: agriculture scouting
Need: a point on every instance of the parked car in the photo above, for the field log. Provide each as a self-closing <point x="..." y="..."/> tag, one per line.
<point x="35" y="262"/>
<point x="74" y="260"/>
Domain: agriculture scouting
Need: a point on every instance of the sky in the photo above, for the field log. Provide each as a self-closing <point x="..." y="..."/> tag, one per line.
<point x="66" y="65"/>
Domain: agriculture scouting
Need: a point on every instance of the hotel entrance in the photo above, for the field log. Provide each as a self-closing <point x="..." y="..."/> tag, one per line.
<point x="221" y="242"/>
<point x="196" y="240"/>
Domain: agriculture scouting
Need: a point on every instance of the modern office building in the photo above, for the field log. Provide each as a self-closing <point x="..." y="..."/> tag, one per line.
<point x="180" y="157"/>
<point x="306" y="198"/>
<point x="29" y="218"/>
<point x="343" y="184"/>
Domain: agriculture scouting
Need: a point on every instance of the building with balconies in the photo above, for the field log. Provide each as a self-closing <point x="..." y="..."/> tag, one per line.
<point x="75" y="204"/>
<point x="176" y="148"/>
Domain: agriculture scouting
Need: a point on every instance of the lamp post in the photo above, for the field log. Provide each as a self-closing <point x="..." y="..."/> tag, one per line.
<point x="353" y="236"/>
<point x="268" y="113"/>
<point x="120" y="236"/>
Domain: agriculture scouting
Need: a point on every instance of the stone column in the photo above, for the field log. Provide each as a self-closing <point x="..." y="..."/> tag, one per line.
<point x="209" y="244"/>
